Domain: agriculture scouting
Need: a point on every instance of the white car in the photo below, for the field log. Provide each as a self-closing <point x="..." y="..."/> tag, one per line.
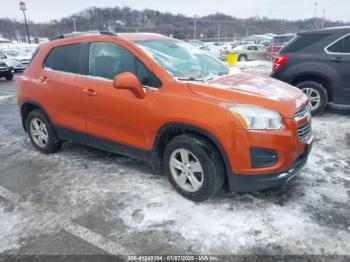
<point x="249" y="52"/>
<point x="21" y="55"/>
<point x="14" y="63"/>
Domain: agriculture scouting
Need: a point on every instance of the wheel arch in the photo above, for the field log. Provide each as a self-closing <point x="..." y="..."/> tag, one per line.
<point x="27" y="107"/>
<point x="323" y="80"/>
<point x="171" y="130"/>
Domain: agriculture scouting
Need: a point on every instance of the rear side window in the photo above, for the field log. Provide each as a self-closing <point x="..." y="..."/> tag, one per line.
<point x="67" y="58"/>
<point x="64" y="58"/>
<point x="304" y="41"/>
<point x="108" y="60"/>
<point x="341" y="46"/>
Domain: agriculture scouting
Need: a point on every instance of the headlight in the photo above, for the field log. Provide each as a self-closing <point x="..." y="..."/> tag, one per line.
<point x="257" y="118"/>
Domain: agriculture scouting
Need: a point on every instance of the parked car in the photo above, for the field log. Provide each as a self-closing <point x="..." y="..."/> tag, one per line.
<point x="277" y="44"/>
<point x="14" y="63"/>
<point x="249" y="52"/>
<point x="162" y="100"/>
<point x="6" y="71"/>
<point x="23" y="56"/>
<point x="318" y="63"/>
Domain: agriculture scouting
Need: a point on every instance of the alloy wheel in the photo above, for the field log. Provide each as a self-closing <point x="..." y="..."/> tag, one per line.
<point x="186" y="170"/>
<point x="39" y="132"/>
<point x="314" y="98"/>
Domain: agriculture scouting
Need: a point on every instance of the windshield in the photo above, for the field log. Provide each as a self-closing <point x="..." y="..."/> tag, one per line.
<point x="183" y="61"/>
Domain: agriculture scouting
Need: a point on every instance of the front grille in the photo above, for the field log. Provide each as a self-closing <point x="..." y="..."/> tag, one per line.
<point x="303" y="112"/>
<point x="304" y="132"/>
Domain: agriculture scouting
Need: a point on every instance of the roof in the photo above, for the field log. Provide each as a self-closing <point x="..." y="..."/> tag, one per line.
<point x="329" y="30"/>
<point x="142" y="36"/>
<point x="126" y="36"/>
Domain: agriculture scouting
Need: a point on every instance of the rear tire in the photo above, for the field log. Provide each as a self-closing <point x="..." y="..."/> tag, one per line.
<point x="41" y="133"/>
<point x="202" y="155"/>
<point x="317" y="95"/>
<point x="242" y="58"/>
<point x="9" y="77"/>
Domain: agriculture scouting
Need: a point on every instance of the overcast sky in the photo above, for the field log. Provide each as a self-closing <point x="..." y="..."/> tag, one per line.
<point x="43" y="11"/>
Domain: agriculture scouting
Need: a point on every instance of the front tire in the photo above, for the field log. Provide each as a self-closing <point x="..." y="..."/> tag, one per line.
<point x="242" y="58"/>
<point x="194" y="167"/>
<point x="41" y="133"/>
<point x="317" y="95"/>
<point x="9" y="77"/>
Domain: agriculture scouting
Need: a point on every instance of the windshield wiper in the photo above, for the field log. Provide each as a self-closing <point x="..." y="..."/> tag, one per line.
<point x="189" y="79"/>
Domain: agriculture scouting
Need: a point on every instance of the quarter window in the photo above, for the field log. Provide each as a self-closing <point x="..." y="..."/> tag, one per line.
<point x="108" y="60"/>
<point x="341" y="46"/>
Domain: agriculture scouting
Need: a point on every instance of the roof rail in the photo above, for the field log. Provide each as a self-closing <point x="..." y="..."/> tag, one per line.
<point x="83" y="33"/>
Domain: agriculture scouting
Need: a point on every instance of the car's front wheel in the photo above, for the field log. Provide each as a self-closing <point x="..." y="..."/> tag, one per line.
<point x="41" y="133"/>
<point x="194" y="167"/>
<point x="242" y="58"/>
<point x="317" y="95"/>
<point x="9" y="76"/>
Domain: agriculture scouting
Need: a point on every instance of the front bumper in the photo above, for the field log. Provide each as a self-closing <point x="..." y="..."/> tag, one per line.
<point x="254" y="183"/>
<point x="6" y="71"/>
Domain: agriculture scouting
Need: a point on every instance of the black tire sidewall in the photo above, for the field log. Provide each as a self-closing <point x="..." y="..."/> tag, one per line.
<point x="9" y="77"/>
<point x="54" y="143"/>
<point x="210" y="171"/>
<point x="242" y="60"/>
<point x="321" y="90"/>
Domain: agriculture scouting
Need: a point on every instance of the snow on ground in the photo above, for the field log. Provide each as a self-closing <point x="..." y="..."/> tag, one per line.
<point x="121" y="199"/>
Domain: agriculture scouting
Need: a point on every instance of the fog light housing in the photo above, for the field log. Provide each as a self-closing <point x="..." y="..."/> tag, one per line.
<point x="261" y="158"/>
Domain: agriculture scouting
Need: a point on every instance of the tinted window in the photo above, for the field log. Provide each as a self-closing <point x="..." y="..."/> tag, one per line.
<point x="66" y="58"/>
<point x="252" y="48"/>
<point x="304" y="41"/>
<point x="49" y="59"/>
<point x="341" y="46"/>
<point x="108" y="60"/>
<point x="282" y="39"/>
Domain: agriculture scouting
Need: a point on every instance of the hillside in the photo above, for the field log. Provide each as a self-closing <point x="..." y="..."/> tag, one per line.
<point x="180" y="26"/>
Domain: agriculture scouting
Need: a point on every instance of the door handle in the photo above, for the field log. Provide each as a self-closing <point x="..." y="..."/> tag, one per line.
<point x="90" y="92"/>
<point x="337" y="59"/>
<point x="43" y="79"/>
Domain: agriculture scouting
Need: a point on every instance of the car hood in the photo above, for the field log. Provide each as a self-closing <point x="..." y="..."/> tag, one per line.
<point x="250" y="89"/>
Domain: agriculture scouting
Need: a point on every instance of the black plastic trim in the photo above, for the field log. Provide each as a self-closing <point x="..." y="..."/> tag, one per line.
<point x="31" y="102"/>
<point x="261" y="157"/>
<point x="254" y="183"/>
<point x="101" y="143"/>
<point x="196" y="129"/>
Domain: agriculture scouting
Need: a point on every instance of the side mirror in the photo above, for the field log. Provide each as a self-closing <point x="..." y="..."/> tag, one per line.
<point x="129" y="81"/>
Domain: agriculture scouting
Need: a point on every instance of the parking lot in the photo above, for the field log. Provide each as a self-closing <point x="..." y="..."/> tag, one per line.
<point x="85" y="201"/>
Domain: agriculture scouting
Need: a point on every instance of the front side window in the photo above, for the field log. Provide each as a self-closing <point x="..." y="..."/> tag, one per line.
<point x="341" y="46"/>
<point x="183" y="61"/>
<point x="108" y="60"/>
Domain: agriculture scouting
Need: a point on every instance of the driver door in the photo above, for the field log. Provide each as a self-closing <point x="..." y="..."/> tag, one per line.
<point x="116" y="119"/>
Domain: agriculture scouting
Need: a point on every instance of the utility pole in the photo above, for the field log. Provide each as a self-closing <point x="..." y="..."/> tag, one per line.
<point x="324" y="18"/>
<point x="195" y="28"/>
<point x="75" y="27"/>
<point x="315" y="11"/>
<point x="219" y="32"/>
<point x="23" y="8"/>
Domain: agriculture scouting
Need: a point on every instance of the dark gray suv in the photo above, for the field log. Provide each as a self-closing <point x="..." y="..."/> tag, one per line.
<point x="318" y="62"/>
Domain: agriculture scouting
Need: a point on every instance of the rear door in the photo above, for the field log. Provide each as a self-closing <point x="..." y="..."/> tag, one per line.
<point x="339" y="58"/>
<point x="59" y="75"/>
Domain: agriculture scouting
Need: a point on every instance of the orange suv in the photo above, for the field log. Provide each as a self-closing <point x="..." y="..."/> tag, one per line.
<point x="161" y="100"/>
